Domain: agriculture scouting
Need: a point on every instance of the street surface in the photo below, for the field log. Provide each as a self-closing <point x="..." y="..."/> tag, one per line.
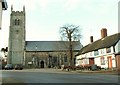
<point x="30" y="76"/>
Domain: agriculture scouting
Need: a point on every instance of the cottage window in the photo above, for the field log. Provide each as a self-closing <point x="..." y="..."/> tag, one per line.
<point x="90" y="53"/>
<point x="86" y="61"/>
<point x="108" y="50"/>
<point x="96" y="52"/>
<point x="102" y="51"/>
<point x="102" y="59"/>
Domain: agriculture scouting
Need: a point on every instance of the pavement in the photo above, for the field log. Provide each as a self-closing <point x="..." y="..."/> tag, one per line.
<point x="102" y="71"/>
<point x="96" y="72"/>
<point x="51" y="70"/>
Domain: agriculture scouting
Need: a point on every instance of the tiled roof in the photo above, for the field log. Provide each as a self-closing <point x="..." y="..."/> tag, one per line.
<point x="51" y="46"/>
<point x="101" y="43"/>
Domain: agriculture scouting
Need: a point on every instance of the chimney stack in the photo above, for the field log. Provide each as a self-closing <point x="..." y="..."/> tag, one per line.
<point x="103" y="32"/>
<point x="91" y="39"/>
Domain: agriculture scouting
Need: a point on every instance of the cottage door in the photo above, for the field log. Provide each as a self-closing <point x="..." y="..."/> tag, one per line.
<point x="109" y="62"/>
<point x="91" y="61"/>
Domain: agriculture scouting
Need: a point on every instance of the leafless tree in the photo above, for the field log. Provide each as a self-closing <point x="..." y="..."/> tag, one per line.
<point x="4" y="49"/>
<point x="70" y="33"/>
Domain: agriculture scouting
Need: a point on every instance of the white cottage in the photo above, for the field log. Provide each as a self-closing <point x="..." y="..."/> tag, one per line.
<point x="101" y="52"/>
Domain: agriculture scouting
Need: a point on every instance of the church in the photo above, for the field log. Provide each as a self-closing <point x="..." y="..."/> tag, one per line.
<point x="35" y="54"/>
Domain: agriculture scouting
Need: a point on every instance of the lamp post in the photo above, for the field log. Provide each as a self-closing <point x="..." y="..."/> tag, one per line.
<point x="33" y="61"/>
<point x="36" y="60"/>
<point x="3" y="6"/>
<point x="49" y="66"/>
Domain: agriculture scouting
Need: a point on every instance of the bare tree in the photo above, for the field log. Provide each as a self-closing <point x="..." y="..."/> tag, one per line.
<point x="70" y="33"/>
<point x="4" y="49"/>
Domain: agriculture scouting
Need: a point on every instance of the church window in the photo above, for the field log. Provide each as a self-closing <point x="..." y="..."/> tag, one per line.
<point x="17" y="21"/>
<point x="54" y="59"/>
<point x="65" y="58"/>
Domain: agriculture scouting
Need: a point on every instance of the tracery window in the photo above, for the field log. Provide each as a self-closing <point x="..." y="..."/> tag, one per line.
<point x="65" y="58"/>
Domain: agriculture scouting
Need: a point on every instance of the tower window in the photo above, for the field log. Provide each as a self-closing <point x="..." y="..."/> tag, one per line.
<point x="17" y="31"/>
<point x="17" y="22"/>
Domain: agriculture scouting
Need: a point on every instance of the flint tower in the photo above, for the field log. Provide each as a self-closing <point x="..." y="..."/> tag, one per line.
<point x="16" y="37"/>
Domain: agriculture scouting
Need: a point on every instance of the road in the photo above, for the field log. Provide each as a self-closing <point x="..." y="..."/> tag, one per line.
<point x="37" y="76"/>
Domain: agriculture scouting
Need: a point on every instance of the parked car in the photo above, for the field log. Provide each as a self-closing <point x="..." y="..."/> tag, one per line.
<point x="95" y="67"/>
<point x="0" y="66"/>
<point x="18" y="67"/>
<point x="8" y="67"/>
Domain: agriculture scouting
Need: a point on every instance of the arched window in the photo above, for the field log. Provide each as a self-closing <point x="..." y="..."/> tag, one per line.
<point x="65" y="58"/>
<point x="17" y="22"/>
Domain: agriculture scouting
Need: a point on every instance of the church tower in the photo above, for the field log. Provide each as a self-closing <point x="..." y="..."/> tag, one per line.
<point x="16" y="42"/>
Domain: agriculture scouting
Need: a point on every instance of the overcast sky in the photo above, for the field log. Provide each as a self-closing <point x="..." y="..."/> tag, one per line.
<point x="45" y="17"/>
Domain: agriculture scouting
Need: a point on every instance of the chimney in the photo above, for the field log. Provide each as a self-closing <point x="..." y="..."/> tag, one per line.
<point x="103" y="32"/>
<point x="91" y="39"/>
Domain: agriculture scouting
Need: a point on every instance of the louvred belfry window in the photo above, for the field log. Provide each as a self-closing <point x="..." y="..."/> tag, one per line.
<point x="17" y="22"/>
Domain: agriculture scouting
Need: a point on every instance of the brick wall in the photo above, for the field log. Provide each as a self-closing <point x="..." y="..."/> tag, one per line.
<point x="118" y="62"/>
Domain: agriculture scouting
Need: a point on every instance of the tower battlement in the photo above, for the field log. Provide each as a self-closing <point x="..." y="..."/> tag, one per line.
<point x="17" y="12"/>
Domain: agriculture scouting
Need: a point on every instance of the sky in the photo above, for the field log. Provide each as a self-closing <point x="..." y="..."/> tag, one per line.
<point x="45" y="17"/>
